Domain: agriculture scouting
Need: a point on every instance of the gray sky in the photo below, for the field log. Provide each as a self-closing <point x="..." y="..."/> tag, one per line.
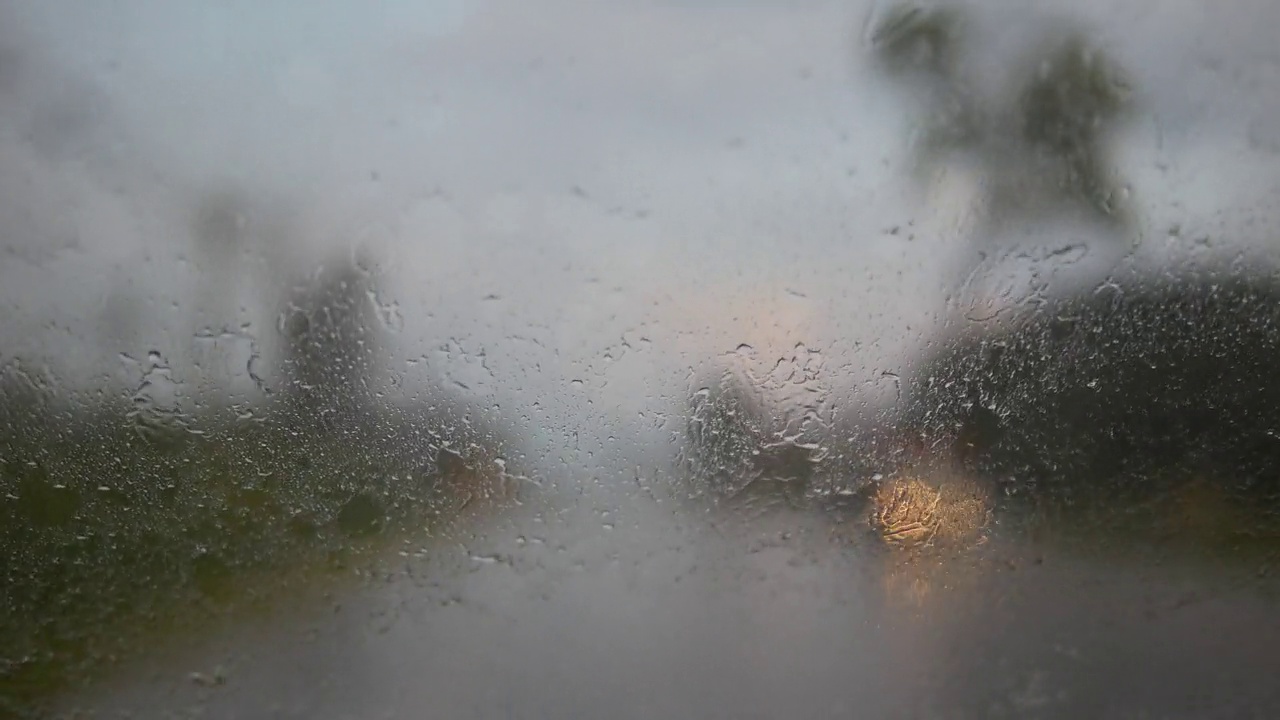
<point x="698" y="174"/>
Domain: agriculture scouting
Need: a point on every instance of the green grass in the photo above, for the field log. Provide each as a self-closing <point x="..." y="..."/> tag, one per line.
<point x="113" y="540"/>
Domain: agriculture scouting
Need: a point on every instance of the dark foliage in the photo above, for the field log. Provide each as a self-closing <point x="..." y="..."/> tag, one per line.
<point x="1118" y="393"/>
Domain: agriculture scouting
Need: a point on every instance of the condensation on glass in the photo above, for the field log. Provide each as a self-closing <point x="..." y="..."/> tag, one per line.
<point x="640" y="359"/>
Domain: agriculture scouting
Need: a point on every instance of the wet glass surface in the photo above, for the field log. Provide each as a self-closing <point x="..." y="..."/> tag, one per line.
<point x="640" y="359"/>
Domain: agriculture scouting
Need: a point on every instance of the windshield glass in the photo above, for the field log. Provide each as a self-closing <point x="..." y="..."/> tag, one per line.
<point x="487" y="358"/>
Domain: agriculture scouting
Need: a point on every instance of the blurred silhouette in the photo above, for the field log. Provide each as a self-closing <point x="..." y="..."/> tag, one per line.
<point x="332" y="345"/>
<point x="10" y="68"/>
<point x="1112" y="396"/>
<point x="733" y="451"/>
<point x="1125" y="392"/>
<point x="243" y="242"/>
<point x="752" y="445"/>
<point x="922" y="46"/>
<point x="27" y="408"/>
<point x="1029" y="133"/>
<point x="1047" y="122"/>
<point x="132" y="520"/>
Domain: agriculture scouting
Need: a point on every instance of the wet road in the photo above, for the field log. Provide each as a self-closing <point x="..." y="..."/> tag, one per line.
<point x="669" y="614"/>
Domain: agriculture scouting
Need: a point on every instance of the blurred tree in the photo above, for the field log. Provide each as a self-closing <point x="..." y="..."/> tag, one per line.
<point x="1040" y="139"/>
<point x="10" y="68"/>
<point x="222" y="226"/>
<point x="243" y="245"/>
<point x="1118" y="398"/>
<point x="1064" y="108"/>
<point x="736" y="452"/>
<point x="1150" y="391"/>
<point x="220" y="222"/>
<point x="332" y="341"/>
<point x="922" y="46"/>
<point x="27" y="412"/>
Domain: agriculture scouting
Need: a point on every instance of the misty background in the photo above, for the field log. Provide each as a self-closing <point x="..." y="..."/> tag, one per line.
<point x="544" y="185"/>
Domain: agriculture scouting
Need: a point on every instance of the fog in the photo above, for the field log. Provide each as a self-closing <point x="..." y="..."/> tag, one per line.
<point x="591" y="170"/>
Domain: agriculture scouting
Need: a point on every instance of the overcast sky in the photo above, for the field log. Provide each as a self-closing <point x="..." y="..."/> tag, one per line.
<point x="549" y="183"/>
